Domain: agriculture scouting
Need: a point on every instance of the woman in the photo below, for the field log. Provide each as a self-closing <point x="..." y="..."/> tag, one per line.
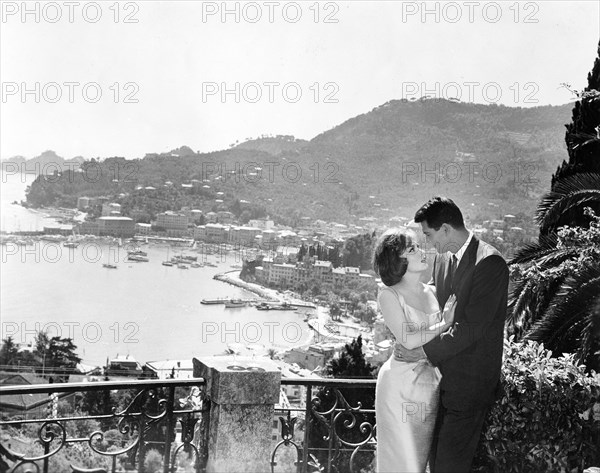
<point x="406" y="397"/>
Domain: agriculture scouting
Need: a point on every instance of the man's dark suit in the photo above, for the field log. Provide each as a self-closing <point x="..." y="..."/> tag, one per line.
<point x="469" y="354"/>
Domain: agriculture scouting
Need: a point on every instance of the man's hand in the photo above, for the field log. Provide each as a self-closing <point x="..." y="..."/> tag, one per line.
<point x="404" y="354"/>
<point x="449" y="308"/>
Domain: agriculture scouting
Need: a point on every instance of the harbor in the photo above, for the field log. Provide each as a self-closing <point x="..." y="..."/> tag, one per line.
<point x="86" y="289"/>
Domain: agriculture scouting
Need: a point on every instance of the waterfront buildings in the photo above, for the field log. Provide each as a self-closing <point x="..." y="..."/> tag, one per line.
<point x="116" y="226"/>
<point x="172" y="221"/>
<point x="282" y="273"/>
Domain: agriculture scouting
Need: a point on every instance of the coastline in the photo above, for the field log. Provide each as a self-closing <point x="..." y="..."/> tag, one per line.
<point x="229" y="278"/>
<point x="317" y="324"/>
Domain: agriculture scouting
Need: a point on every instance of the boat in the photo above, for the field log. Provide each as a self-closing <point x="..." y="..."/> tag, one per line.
<point x="137" y="252"/>
<point x="282" y="306"/>
<point x="109" y="266"/>
<point x="52" y="238"/>
<point x="233" y="303"/>
<point x="167" y="262"/>
<point x="196" y="265"/>
<point x="221" y="300"/>
<point x="71" y="244"/>
<point x="183" y="266"/>
<point x="137" y="258"/>
<point x="212" y="265"/>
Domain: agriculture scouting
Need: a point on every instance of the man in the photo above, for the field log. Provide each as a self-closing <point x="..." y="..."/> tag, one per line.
<point x="469" y="354"/>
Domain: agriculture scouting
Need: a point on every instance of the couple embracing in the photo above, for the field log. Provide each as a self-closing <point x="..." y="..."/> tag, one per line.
<point x="433" y="394"/>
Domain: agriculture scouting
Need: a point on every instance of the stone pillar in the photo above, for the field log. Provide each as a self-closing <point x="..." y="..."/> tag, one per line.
<point x="243" y="394"/>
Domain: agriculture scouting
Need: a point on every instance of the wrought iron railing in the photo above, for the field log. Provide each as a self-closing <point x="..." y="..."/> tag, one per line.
<point x="118" y="440"/>
<point x="335" y="421"/>
<point x="329" y="427"/>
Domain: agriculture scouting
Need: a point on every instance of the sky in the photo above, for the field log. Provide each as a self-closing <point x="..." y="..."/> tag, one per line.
<point x="107" y="78"/>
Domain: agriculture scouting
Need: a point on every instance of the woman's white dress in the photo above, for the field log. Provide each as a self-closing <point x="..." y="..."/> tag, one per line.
<point x="406" y="403"/>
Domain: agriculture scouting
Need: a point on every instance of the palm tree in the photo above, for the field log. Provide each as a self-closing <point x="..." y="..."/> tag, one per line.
<point x="569" y="196"/>
<point x="555" y="298"/>
<point x="555" y="294"/>
<point x="271" y="353"/>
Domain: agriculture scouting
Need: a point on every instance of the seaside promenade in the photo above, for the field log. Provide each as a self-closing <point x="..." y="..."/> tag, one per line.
<point x="319" y="321"/>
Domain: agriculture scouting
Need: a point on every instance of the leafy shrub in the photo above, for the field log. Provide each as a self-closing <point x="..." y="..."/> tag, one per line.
<point x="544" y="420"/>
<point x="153" y="461"/>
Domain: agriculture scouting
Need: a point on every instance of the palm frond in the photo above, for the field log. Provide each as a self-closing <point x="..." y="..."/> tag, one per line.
<point x="529" y="301"/>
<point x="533" y="251"/>
<point x="519" y="300"/>
<point x="570" y="192"/>
<point x="575" y="200"/>
<point x="568" y="323"/>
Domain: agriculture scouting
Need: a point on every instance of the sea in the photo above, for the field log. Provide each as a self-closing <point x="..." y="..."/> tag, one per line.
<point x="145" y="310"/>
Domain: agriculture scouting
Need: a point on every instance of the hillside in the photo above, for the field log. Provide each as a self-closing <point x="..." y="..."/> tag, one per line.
<point x="46" y="163"/>
<point x="491" y="159"/>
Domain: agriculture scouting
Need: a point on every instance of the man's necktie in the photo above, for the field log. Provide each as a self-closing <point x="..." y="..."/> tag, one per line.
<point x="452" y="271"/>
<point x="452" y="267"/>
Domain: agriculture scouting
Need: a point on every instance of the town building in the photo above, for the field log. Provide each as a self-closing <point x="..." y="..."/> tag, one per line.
<point x="312" y="357"/>
<point x="111" y="209"/>
<point x="123" y="227"/>
<point x="268" y="239"/>
<point x="83" y="203"/>
<point x="243" y="235"/>
<point x="263" y="224"/>
<point x="169" y="369"/>
<point x="89" y="228"/>
<point x="172" y="221"/>
<point x="32" y="406"/>
<point x="212" y="233"/>
<point x="124" y="365"/>
<point x="224" y="217"/>
<point x="142" y="228"/>
<point x="59" y="229"/>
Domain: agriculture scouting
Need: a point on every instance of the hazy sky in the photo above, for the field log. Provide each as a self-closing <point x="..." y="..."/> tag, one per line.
<point x="108" y="78"/>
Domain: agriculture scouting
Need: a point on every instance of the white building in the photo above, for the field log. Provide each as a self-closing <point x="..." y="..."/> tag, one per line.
<point x="109" y="209"/>
<point x="243" y="235"/>
<point x="172" y="221"/>
<point x="142" y="228"/>
<point x="263" y="224"/>
<point x="212" y="232"/>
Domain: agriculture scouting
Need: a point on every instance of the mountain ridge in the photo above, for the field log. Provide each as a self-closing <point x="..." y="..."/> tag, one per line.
<point x="393" y="157"/>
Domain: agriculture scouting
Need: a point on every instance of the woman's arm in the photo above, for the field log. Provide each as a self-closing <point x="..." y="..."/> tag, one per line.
<point x="409" y="334"/>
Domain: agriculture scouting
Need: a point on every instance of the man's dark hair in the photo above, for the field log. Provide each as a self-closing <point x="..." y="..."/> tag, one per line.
<point x="387" y="262"/>
<point x="440" y="210"/>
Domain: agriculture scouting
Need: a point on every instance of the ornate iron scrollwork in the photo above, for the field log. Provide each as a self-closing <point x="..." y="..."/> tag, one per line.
<point x="347" y="434"/>
<point x="149" y="419"/>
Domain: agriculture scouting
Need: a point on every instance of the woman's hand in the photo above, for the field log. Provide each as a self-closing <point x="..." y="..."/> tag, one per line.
<point x="449" y="308"/>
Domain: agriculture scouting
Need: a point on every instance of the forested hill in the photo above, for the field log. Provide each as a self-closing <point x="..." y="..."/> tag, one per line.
<point x="383" y="163"/>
